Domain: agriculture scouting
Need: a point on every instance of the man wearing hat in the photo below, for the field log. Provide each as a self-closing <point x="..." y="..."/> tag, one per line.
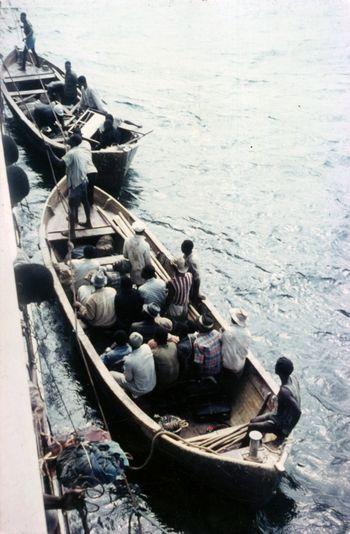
<point x="139" y="375"/>
<point x="138" y="252"/>
<point x="148" y="325"/>
<point x="235" y="342"/>
<point x="207" y="347"/>
<point x="99" y="308"/>
<point x="179" y="289"/>
<point x="283" y="420"/>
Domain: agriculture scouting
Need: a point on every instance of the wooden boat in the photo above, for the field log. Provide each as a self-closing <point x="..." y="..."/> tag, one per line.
<point x="229" y="469"/>
<point x="21" y="89"/>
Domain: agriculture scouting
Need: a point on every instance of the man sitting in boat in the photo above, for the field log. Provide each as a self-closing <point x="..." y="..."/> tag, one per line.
<point x="235" y="342"/>
<point x="89" y="97"/>
<point x="107" y="135"/>
<point x="98" y="310"/>
<point x="47" y="115"/>
<point x="70" y="85"/>
<point x="138" y="252"/>
<point x="82" y="267"/>
<point x="29" y="40"/>
<point x="128" y="304"/>
<point x="179" y="289"/>
<point x="165" y="359"/>
<point x="283" y="420"/>
<point x="148" y="326"/>
<point x="153" y="289"/>
<point x="207" y="347"/>
<point x="116" y="353"/>
<point x="139" y="377"/>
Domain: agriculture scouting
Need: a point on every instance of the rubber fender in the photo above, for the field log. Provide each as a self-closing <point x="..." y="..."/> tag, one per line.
<point x="34" y="283"/>
<point x="10" y="149"/>
<point x="18" y="183"/>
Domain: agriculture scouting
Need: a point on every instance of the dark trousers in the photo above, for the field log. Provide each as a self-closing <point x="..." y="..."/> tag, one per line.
<point x="24" y="57"/>
<point x="76" y="197"/>
<point x="266" y="424"/>
<point x="92" y="176"/>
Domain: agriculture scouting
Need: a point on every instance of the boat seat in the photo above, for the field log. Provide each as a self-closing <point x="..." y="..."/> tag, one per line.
<point x="27" y="92"/>
<point x="30" y="77"/>
<point x="81" y="232"/>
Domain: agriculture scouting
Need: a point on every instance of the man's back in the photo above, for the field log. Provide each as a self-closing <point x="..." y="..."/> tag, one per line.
<point x="153" y="290"/>
<point x="139" y="371"/>
<point x="70" y="84"/>
<point x="289" y="405"/>
<point x="235" y="345"/>
<point x="128" y="306"/>
<point x="81" y="268"/>
<point x="76" y="161"/>
<point x="100" y="307"/>
<point x="137" y="251"/>
<point x="207" y="352"/>
<point x="166" y="364"/>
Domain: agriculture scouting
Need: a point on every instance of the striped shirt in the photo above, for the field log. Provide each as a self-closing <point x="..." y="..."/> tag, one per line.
<point x="182" y="284"/>
<point x="207" y="352"/>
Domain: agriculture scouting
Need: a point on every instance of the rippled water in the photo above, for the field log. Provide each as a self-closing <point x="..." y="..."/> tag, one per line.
<point x="249" y="102"/>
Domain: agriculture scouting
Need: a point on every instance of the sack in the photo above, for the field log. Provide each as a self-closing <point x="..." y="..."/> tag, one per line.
<point x="91" y="463"/>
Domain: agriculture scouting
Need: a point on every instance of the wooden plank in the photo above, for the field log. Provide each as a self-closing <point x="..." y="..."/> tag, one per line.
<point x="92" y="125"/>
<point x="30" y="78"/>
<point x="27" y="92"/>
<point x="83" y="232"/>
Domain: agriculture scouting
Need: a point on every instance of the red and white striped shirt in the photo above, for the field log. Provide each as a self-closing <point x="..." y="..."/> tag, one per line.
<point x="182" y="284"/>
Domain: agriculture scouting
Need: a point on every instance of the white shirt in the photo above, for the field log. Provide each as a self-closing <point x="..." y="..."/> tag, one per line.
<point x="76" y="166"/>
<point x="90" y="99"/>
<point x="85" y="145"/>
<point x="81" y="268"/>
<point x="138" y="252"/>
<point x="139" y="371"/>
<point x="235" y="346"/>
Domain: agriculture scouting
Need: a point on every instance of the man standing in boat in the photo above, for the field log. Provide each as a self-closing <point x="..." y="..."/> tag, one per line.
<point x="76" y="163"/>
<point x="29" y="40"/>
<point x="70" y="85"/>
<point x="283" y="420"/>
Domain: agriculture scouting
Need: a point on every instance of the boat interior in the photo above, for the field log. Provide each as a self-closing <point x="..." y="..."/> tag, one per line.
<point x="26" y="88"/>
<point x="205" y="406"/>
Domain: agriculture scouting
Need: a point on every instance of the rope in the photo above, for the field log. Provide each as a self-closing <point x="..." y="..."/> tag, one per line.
<point x="173" y="436"/>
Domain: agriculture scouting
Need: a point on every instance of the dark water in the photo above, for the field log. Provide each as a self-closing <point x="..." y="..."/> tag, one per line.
<point x="249" y="102"/>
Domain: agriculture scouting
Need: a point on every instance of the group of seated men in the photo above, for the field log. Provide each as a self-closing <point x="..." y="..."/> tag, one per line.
<point x="155" y="344"/>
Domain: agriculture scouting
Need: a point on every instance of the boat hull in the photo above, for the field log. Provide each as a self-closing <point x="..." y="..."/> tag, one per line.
<point x="229" y="473"/>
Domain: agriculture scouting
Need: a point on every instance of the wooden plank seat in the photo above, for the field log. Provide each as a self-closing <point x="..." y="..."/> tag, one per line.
<point x="81" y="232"/>
<point x="29" y="92"/>
<point x="30" y="77"/>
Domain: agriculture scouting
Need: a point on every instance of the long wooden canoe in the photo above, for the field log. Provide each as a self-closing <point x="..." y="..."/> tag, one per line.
<point x="20" y="90"/>
<point x="228" y="470"/>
